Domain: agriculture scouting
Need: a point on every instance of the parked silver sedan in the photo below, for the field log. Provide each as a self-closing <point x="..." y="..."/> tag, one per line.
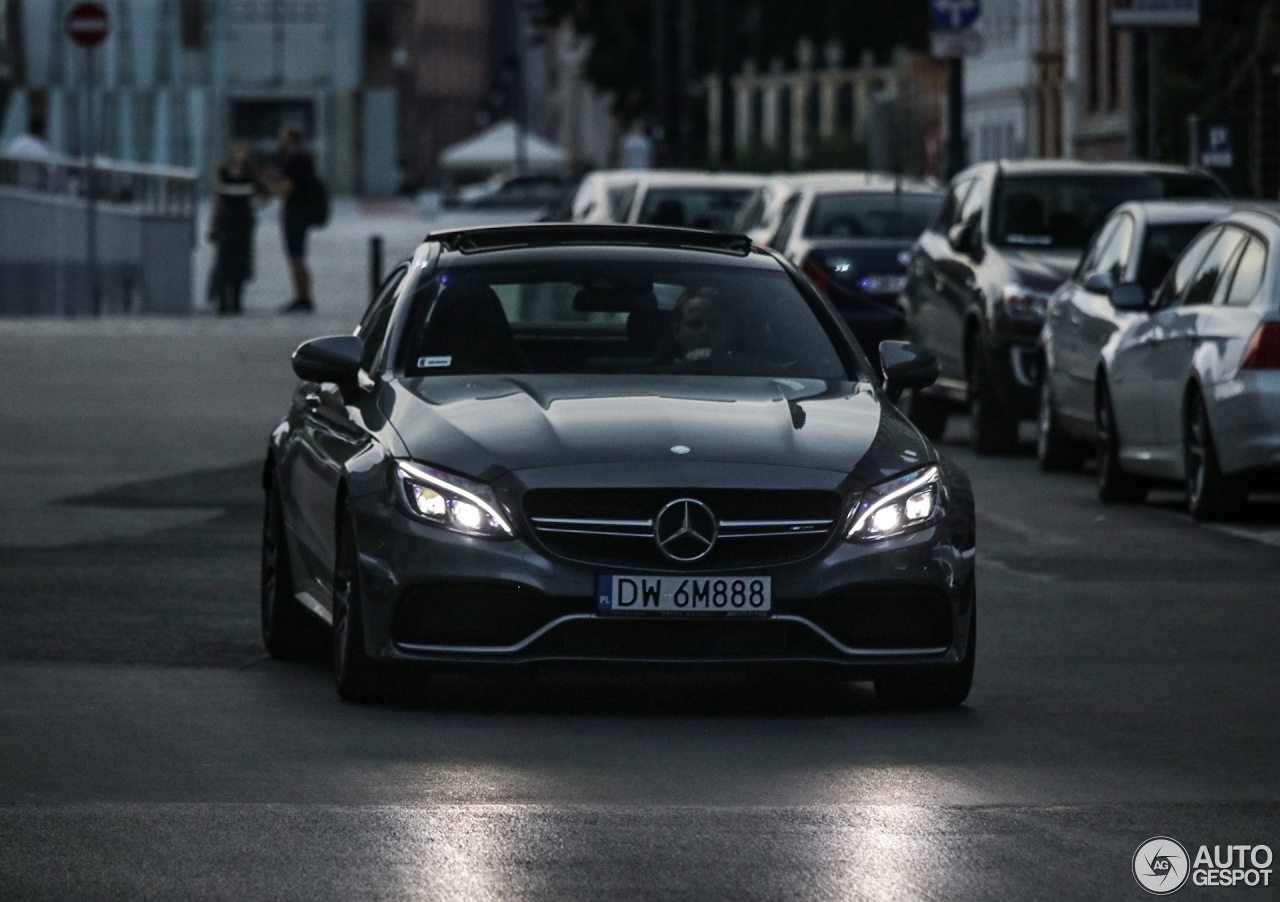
<point x="1191" y="387"/>
<point x="1138" y="243"/>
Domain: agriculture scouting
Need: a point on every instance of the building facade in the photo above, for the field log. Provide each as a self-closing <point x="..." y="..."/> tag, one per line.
<point x="177" y="81"/>
<point x="1021" y="91"/>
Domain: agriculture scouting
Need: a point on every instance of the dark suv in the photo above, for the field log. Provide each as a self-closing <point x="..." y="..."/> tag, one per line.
<point x="980" y="277"/>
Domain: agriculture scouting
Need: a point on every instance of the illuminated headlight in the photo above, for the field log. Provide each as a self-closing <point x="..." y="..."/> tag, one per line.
<point x="898" y="506"/>
<point x="882" y="284"/>
<point x="1024" y="303"/>
<point x="452" y="501"/>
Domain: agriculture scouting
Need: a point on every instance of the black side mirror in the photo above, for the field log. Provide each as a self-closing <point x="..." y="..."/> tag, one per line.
<point x="1099" y="282"/>
<point x="906" y="366"/>
<point x="963" y="238"/>
<point x="1128" y="296"/>
<point x="333" y="358"/>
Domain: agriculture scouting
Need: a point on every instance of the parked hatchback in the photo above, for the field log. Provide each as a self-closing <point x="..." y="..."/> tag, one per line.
<point x="980" y="277"/>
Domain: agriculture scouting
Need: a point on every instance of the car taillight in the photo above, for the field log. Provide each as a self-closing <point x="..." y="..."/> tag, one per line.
<point x="1263" y="350"/>
<point x="816" y="274"/>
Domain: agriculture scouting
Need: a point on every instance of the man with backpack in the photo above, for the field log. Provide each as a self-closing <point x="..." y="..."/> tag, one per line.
<point x="304" y="205"/>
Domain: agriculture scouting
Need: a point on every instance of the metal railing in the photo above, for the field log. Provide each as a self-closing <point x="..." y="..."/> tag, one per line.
<point x="103" y="238"/>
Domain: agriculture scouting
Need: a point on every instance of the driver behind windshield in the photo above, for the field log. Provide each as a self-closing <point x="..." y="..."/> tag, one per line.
<point x="701" y="325"/>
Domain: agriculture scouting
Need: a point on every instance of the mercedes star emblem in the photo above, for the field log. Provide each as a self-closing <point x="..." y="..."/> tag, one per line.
<point x="685" y="530"/>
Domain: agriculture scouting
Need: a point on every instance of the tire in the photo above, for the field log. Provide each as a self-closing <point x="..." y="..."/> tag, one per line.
<point x="1055" y="450"/>
<point x="357" y="677"/>
<point x="1210" y="495"/>
<point x="943" y="687"/>
<point x="929" y="414"/>
<point x="994" y="427"/>
<point x="1114" y="484"/>
<point x="289" y="631"/>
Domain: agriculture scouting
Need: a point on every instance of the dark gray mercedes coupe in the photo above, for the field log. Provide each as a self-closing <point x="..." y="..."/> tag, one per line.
<point x="597" y="444"/>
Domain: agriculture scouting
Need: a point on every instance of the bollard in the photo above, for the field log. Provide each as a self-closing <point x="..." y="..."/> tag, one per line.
<point x="375" y="264"/>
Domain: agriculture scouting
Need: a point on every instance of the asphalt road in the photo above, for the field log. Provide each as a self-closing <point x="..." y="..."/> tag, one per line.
<point x="1127" y="687"/>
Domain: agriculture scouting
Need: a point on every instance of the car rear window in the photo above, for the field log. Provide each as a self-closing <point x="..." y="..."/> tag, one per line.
<point x="863" y="214"/>
<point x="621" y="317"/>
<point x="696" y="208"/>
<point x="1063" y="211"/>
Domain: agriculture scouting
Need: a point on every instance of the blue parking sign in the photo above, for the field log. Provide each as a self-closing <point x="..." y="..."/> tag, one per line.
<point x="955" y="15"/>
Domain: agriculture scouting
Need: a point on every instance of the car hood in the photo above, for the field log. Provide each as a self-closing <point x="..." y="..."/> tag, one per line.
<point x="1042" y="269"/>
<point x="486" y="426"/>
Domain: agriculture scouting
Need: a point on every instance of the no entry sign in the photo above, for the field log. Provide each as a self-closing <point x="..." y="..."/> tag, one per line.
<point x="87" y="24"/>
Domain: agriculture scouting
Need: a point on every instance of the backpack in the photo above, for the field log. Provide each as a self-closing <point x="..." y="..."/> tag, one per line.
<point x="318" y="203"/>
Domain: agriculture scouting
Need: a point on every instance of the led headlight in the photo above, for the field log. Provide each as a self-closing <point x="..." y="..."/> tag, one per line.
<point x="452" y="501"/>
<point x="900" y="505"/>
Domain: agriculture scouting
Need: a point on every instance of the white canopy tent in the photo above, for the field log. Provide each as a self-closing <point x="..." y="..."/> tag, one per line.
<point x="497" y="148"/>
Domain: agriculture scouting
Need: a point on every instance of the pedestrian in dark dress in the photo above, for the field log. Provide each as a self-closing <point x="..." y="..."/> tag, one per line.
<point x="232" y="224"/>
<point x="295" y="185"/>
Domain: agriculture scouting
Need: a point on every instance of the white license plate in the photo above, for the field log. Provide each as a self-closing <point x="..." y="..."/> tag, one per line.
<point x="684" y="595"/>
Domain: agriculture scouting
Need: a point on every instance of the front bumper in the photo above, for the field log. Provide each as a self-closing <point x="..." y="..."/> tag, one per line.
<point x="445" y="599"/>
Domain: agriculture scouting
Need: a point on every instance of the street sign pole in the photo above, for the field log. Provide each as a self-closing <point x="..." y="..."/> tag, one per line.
<point x="91" y="217"/>
<point x="954" y="40"/>
<point x="87" y="27"/>
<point x="956" y="156"/>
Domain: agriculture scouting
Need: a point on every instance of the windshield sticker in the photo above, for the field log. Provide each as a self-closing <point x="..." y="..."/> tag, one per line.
<point x="425" y="362"/>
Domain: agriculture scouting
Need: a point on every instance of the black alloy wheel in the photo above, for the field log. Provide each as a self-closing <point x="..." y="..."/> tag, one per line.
<point x="358" y="677"/>
<point x="1055" y="450"/>
<point x="289" y="631"/>
<point x="1114" y="484"/>
<point x="1210" y="495"/>
<point x="942" y="687"/>
<point x="994" y="427"/>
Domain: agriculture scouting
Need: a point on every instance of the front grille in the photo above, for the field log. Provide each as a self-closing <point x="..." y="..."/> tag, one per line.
<point x="880" y="618"/>
<point x="678" y="638"/>
<point x="477" y="614"/>
<point x="614" y="527"/>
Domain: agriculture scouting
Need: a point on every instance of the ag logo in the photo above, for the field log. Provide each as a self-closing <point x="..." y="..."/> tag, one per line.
<point x="1161" y="865"/>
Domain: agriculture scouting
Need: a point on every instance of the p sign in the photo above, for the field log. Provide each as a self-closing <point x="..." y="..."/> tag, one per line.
<point x="87" y="24"/>
<point x="955" y="15"/>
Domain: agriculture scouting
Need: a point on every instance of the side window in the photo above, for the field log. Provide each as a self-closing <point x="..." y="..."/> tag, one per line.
<point x="949" y="212"/>
<point x="786" y="223"/>
<point x="1115" y="252"/>
<point x="1179" y="278"/>
<point x="1089" y="262"/>
<point x="1200" y="291"/>
<point x="373" y="327"/>
<point x="1248" y="275"/>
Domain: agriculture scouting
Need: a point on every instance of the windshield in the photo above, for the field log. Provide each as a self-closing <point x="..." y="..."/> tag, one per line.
<point x="626" y="317"/>
<point x="697" y="208"/>
<point x="863" y="214"/>
<point x="1063" y="211"/>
